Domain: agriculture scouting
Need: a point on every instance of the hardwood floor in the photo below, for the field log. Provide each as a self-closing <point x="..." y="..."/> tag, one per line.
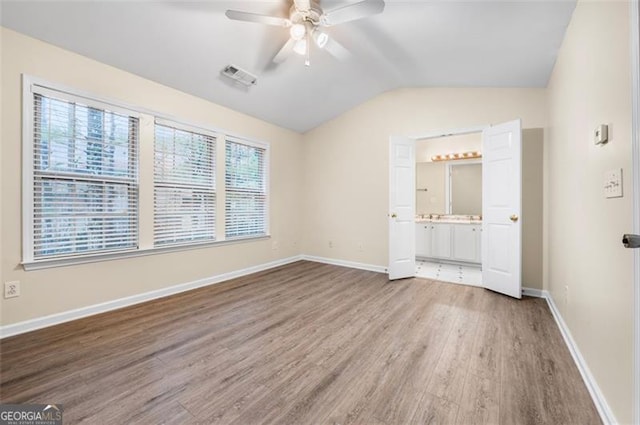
<point x="306" y="343"/>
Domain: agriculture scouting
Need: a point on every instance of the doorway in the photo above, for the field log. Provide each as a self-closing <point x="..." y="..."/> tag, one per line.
<point x="500" y="241"/>
<point x="449" y="208"/>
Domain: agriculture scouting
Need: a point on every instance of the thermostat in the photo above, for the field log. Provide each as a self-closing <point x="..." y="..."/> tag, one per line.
<point x="601" y="134"/>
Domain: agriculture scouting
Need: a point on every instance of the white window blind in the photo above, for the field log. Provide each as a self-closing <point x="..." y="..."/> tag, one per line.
<point x="85" y="183"/>
<point x="185" y="196"/>
<point x="246" y="195"/>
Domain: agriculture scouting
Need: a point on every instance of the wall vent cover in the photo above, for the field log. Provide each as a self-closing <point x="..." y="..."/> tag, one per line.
<point x="240" y="75"/>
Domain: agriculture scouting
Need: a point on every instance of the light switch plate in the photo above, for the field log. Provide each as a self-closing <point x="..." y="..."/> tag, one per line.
<point x="613" y="183"/>
<point x="601" y="134"/>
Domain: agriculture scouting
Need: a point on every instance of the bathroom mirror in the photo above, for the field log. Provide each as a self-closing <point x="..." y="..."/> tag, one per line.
<point x="465" y="188"/>
<point x="449" y="187"/>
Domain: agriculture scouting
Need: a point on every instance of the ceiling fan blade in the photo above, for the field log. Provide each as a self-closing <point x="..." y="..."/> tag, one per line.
<point x="238" y="15"/>
<point x="352" y="12"/>
<point x="302" y="5"/>
<point x="284" y="53"/>
<point x="337" y="50"/>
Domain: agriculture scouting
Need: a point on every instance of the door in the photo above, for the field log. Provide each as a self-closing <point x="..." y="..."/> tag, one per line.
<point x="402" y="207"/>
<point x="501" y="208"/>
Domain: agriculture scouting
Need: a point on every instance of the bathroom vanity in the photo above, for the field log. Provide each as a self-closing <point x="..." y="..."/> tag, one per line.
<point x="449" y="238"/>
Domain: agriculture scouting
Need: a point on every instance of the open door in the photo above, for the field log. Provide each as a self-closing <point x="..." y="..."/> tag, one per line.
<point x="402" y="207"/>
<point x="501" y="208"/>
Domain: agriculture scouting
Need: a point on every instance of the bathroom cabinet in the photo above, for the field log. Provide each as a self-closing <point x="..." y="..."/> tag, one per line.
<point x="449" y="241"/>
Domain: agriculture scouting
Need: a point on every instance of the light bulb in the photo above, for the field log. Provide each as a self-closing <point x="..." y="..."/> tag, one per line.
<point x="300" y="47"/>
<point x="297" y="31"/>
<point x="321" y="38"/>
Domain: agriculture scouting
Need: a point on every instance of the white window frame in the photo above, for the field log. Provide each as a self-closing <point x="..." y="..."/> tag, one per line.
<point x="31" y="83"/>
<point x="216" y="140"/>
<point x="32" y="87"/>
<point x="267" y="169"/>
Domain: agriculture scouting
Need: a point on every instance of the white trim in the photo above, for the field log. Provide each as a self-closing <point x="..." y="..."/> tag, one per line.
<point x="635" y="145"/>
<point x="107" y="256"/>
<point x="67" y="316"/>
<point x="604" y="410"/>
<point x="27" y="169"/>
<point x="31" y="84"/>
<point x="606" y="414"/>
<point x="345" y="263"/>
<point x="455" y="132"/>
<point x="533" y="292"/>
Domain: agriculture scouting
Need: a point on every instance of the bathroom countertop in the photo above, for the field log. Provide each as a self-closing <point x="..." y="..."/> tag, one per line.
<point x="449" y="220"/>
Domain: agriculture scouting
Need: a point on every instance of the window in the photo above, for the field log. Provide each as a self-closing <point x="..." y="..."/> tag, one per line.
<point x="103" y="180"/>
<point x="84" y="180"/>
<point x="185" y="196"/>
<point x="245" y="186"/>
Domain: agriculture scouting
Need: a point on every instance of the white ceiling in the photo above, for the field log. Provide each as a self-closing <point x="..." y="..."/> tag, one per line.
<point x="411" y="44"/>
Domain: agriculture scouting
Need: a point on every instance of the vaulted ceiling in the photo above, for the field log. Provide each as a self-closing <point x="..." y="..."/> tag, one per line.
<point x="185" y="44"/>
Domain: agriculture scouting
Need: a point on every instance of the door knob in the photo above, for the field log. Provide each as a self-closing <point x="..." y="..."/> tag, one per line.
<point x="393" y="215"/>
<point x="514" y="217"/>
<point x="631" y="241"/>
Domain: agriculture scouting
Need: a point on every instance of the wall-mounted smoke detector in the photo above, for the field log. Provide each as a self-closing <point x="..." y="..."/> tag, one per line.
<point x="239" y="75"/>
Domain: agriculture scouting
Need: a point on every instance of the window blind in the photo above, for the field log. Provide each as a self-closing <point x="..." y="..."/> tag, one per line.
<point x="246" y="195"/>
<point x="85" y="183"/>
<point x="184" y="175"/>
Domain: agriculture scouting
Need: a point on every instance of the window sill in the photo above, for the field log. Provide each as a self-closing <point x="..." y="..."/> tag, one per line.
<point x="96" y="258"/>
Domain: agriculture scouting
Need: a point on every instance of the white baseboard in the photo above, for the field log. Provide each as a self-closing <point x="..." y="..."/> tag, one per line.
<point x="606" y="414"/>
<point x="55" y="319"/>
<point x="532" y="292"/>
<point x="344" y="263"/>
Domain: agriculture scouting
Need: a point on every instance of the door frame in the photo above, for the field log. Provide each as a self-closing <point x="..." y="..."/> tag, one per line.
<point x="433" y="135"/>
<point x="635" y="142"/>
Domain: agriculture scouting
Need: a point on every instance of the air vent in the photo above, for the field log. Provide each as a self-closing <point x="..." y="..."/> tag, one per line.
<point x="239" y="75"/>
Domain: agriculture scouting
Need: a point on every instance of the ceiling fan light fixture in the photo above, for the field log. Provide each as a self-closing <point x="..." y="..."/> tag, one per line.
<point x="297" y="31"/>
<point x="321" y="38"/>
<point x="300" y="47"/>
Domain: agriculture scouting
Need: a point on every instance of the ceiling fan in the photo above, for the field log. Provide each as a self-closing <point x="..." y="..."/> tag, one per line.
<point x="306" y="22"/>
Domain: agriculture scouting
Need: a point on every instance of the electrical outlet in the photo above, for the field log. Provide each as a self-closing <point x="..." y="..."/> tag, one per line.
<point x="566" y="294"/>
<point x="11" y="289"/>
<point x="330" y="244"/>
<point x="274" y="245"/>
<point x="360" y="246"/>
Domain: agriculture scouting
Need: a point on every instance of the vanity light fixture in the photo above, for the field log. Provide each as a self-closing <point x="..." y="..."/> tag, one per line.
<point x="455" y="156"/>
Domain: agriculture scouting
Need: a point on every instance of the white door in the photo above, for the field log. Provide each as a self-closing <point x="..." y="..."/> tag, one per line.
<point x="501" y="208"/>
<point x="402" y="207"/>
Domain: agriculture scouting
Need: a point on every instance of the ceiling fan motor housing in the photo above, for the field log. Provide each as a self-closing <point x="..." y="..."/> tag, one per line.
<point x="313" y="15"/>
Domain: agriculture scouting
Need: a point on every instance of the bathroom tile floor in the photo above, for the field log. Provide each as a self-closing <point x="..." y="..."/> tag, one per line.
<point x="445" y="272"/>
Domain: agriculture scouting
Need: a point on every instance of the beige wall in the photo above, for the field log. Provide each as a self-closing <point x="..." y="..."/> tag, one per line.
<point x="532" y="207"/>
<point x="430" y="176"/>
<point x="589" y="272"/>
<point x="466" y="189"/>
<point x="59" y="289"/>
<point x="336" y="171"/>
<point x="427" y="148"/>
